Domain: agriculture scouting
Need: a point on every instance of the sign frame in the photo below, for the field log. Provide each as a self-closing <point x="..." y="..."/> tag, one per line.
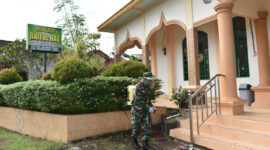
<point x="43" y="39"/>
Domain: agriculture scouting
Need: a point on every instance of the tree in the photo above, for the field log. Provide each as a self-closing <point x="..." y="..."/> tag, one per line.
<point x="73" y="24"/>
<point x="77" y="40"/>
<point x="98" y="63"/>
<point x="15" y="55"/>
<point x="92" y="38"/>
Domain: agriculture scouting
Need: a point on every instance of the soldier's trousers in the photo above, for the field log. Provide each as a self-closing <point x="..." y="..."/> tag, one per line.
<point x="141" y="120"/>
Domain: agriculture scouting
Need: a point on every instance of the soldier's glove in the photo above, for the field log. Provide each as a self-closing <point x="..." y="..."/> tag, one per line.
<point x="152" y="109"/>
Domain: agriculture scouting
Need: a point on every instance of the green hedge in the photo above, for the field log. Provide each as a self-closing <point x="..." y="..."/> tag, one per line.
<point x="131" y="69"/>
<point x="46" y="96"/>
<point x="1" y="96"/>
<point x="99" y="94"/>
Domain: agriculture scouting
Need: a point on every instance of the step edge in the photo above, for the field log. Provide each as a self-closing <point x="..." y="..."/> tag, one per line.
<point x="239" y="129"/>
<point x="234" y="143"/>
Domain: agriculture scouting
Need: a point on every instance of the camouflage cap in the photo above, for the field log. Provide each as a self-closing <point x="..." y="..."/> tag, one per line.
<point x="148" y="75"/>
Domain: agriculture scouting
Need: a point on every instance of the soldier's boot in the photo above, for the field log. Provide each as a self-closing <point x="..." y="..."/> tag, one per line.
<point x="135" y="143"/>
<point x="146" y="146"/>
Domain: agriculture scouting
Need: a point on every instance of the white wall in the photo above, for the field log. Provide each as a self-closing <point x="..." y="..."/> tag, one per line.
<point x="179" y="36"/>
<point x="134" y="28"/>
<point x="253" y="60"/>
<point x="162" y="65"/>
<point x="202" y="10"/>
<point x="172" y="10"/>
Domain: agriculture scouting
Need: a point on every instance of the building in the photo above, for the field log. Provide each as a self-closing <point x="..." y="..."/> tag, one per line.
<point x="4" y="43"/>
<point x="190" y="41"/>
<point x="108" y="59"/>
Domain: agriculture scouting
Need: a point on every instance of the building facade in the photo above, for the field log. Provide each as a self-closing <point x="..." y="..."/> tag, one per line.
<point x="190" y="41"/>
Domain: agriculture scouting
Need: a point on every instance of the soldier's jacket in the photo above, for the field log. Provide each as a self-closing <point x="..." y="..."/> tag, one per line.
<point x="141" y="102"/>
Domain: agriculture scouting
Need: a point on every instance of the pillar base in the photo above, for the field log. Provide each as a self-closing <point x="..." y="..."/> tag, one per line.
<point x="232" y="105"/>
<point x="262" y="96"/>
<point x="193" y="88"/>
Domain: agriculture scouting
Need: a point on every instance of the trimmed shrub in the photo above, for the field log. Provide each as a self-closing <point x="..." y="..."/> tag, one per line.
<point x="46" y="96"/>
<point x="9" y="76"/>
<point x="47" y="76"/>
<point x="82" y="96"/>
<point x="131" y="69"/>
<point x="67" y="70"/>
<point x="1" y="96"/>
<point x="100" y="94"/>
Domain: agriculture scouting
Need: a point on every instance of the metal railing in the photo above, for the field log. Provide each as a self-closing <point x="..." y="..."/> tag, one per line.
<point x="200" y="99"/>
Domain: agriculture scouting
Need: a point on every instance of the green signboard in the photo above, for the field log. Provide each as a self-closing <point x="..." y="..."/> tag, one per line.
<point x="44" y="39"/>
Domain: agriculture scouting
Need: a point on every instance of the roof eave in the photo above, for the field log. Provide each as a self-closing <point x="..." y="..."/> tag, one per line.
<point x="119" y="13"/>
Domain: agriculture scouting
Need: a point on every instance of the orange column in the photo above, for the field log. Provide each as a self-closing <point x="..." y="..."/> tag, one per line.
<point x="263" y="49"/>
<point x="262" y="91"/>
<point x="170" y="58"/>
<point x="153" y="51"/>
<point x="193" y="59"/>
<point x="145" y="55"/>
<point x="230" y="102"/>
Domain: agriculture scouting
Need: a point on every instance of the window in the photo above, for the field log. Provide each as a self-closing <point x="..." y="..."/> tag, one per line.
<point x="185" y="60"/>
<point x="240" y="44"/>
<point x="203" y="56"/>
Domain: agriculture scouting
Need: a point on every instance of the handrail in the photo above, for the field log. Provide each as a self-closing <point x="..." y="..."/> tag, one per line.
<point x="198" y="96"/>
<point x="201" y="88"/>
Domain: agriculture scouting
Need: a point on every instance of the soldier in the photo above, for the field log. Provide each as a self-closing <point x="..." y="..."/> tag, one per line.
<point x="140" y="109"/>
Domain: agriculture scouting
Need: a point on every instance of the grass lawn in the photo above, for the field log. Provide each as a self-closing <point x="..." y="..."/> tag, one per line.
<point x="14" y="141"/>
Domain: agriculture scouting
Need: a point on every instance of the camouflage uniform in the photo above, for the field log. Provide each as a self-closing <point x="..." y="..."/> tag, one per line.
<point x="140" y="115"/>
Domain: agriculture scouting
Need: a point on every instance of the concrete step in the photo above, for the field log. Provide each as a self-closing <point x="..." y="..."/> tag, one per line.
<point x="215" y="142"/>
<point x="248" y="128"/>
<point x="185" y="124"/>
<point x="259" y="126"/>
<point x="236" y="133"/>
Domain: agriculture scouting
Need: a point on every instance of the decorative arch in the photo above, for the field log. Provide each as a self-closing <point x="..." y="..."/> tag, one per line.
<point x="164" y="23"/>
<point x="129" y="42"/>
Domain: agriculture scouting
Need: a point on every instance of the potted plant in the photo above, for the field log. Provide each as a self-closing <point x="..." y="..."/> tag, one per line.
<point x="180" y="97"/>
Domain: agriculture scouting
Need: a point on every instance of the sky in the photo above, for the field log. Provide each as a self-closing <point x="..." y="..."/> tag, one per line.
<point x="16" y="14"/>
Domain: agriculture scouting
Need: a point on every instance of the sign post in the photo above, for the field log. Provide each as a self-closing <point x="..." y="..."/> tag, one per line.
<point x="45" y="62"/>
<point x="44" y="39"/>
